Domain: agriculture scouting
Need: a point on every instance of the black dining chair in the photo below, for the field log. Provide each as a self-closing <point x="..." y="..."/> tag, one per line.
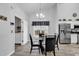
<point x="57" y="40"/>
<point x="50" y="44"/>
<point x="33" y="45"/>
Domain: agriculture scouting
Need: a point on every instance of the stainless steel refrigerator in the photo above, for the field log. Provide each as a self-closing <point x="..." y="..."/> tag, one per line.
<point x="65" y="33"/>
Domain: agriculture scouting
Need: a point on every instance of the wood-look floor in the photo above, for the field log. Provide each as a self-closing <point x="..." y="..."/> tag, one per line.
<point x="64" y="50"/>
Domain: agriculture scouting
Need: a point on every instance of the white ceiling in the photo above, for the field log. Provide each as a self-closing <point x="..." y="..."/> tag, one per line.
<point x="34" y="7"/>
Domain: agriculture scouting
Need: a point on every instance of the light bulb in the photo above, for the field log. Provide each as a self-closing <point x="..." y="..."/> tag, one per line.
<point x="37" y="15"/>
<point x="42" y="15"/>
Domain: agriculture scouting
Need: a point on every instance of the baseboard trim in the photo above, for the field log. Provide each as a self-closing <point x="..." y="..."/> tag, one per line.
<point x="17" y="43"/>
<point x="11" y="53"/>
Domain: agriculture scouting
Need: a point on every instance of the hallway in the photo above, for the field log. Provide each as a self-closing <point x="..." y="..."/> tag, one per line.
<point x="64" y="50"/>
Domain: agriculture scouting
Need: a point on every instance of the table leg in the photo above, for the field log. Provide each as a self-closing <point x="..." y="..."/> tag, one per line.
<point x="41" y="47"/>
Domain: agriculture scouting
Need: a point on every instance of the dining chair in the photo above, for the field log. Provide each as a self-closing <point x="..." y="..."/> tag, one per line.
<point x="33" y="45"/>
<point x="50" y="44"/>
<point x="57" y="40"/>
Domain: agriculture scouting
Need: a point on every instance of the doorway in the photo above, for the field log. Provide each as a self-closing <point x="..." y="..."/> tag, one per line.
<point x="18" y="31"/>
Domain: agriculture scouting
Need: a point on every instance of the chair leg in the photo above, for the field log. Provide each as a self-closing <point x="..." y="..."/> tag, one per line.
<point x="30" y="50"/>
<point x="39" y="49"/>
<point x="54" y="52"/>
<point x="57" y="46"/>
<point x="45" y="53"/>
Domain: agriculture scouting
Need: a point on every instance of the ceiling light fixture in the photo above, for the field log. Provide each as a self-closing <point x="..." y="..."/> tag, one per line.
<point x="40" y="14"/>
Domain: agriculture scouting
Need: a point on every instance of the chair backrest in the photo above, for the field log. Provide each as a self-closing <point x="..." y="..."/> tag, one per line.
<point x="57" y="38"/>
<point x="50" y="42"/>
<point x="31" y="39"/>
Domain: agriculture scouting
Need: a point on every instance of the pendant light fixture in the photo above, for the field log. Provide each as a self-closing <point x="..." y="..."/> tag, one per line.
<point x="40" y="15"/>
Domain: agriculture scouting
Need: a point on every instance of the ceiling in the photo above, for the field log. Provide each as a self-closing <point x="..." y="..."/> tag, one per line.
<point x="34" y="7"/>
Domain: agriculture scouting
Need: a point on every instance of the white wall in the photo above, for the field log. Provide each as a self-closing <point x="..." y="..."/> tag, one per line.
<point x="66" y="10"/>
<point x="7" y="39"/>
<point x="50" y="15"/>
<point x="25" y="32"/>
